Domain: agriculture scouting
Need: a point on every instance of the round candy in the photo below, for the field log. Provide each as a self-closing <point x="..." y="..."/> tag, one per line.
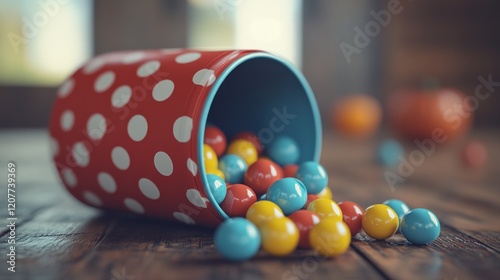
<point x="330" y="237"/>
<point x="252" y="137"/>
<point x="261" y="174"/>
<point x="290" y="170"/>
<point x="237" y="239"/>
<point x="215" y="138"/>
<point x="390" y="152"/>
<point x="475" y="154"/>
<point x="420" y="226"/>
<point x="209" y="158"/>
<point x="280" y="236"/>
<point x="352" y="215"/>
<point x="325" y="208"/>
<point x="217" y="172"/>
<point x="310" y="197"/>
<point x="283" y="150"/>
<point x="398" y="206"/>
<point x="288" y="193"/>
<point x="233" y="167"/>
<point x="380" y="221"/>
<point x="313" y="175"/>
<point x="304" y="220"/>
<point x="217" y="187"/>
<point x="326" y="193"/>
<point x="262" y="211"/>
<point x="357" y="115"/>
<point x="238" y="199"/>
<point x="245" y="149"/>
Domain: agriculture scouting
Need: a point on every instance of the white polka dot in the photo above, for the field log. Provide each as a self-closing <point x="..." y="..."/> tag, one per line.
<point x="163" y="90"/>
<point x="69" y="177"/>
<point x="204" y="77"/>
<point x="192" y="167"/>
<point x="133" y="205"/>
<point x="184" y="218"/>
<point x="106" y="182"/>
<point x="93" y="65"/>
<point x="187" y="57"/>
<point x="182" y="129"/>
<point x="92" y="198"/>
<point x="120" y="158"/>
<point x="104" y="81"/>
<point x="96" y="126"/>
<point x="66" y="88"/>
<point x="196" y="199"/>
<point x="133" y="57"/>
<point x="121" y="96"/>
<point x="81" y="154"/>
<point x="148" y="68"/>
<point x="163" y="163"/>
<point x="149" y="189"/>
<point x="54" y="147"/>
<point x="137" y="127"/>
<point x="67" y="120"/>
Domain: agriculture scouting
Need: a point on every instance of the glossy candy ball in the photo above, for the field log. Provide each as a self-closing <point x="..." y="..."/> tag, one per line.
<point x="380" y="221"/>
<point x="310" y="197"/>
<point x="326" y="208"/>
<point x="330" y="237"/>
<point x="304" y="220"/>
<point x="217" y="187"/>
<point x="245" y="149"/>
<point x="217" y="172"/>
<point x="233" y="167"/>
<point x="209" y="157"/>
<point x="290" y="170"/>
<point x="237" y="239"/>
<point x="313" y="175"/>
<point x="283" y="150"/>
<point x="280" y="236"/>
<point x="252" y="137"/>
<point x="263" y="211"/>
<point x="215" y="138"/>
<point x="326" y="193"/>
<point x="288" y="193"/>
<point x="420" y="226"/>
<point x="262" y="174"/>
<point x="390" y="152"/>
<point x="398" y="206"/>
<point x="352" y="215"/>
<point x="238" y="199"/>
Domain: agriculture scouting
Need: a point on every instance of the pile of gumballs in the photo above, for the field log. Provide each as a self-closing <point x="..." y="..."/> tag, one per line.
<point x="295" y="207"/>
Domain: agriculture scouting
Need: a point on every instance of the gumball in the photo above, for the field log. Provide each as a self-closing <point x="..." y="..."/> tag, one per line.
<point x="380" y="221"/>
<point x="475" y="154"/>
<point x="261" y="174"/>
<point x="313" y="175"/>
<point x="420" y="226"/>
<point x="217" y="172"/>
<point x="326" y="193"/>
<point x="390" y="152"/>
<point x="237" y="239"/>
<point x="209" y="157"/>
<point x="398" y="206"/>
<point x="280" y="236"/>
<point x="283" y="150"/>
<point x="243" y="148"/>
<point x="356" y="116"/>
<point x="290" y="170"/>
<point x="288" y="193"/>
<point x="325" y="208"/>
<point x="233" y="167"/>
<point x="252" y="137"/>
<point x="352" y="215"/>
<point x="263" y="197"/>
<point x="238" y="199"/>
<point x="330" y="237"/>
<point x="217" y="187"/>
<point x="262" y="211"/>
<point x="215" y="138"/>
<point x="304" y="220"/>
<point x="310" y="197"/>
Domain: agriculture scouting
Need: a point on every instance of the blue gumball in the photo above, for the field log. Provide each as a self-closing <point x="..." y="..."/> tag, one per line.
<point x="289" y="194"/>
<point x="237" y="239"/>
<point x="233" y="167"/>
<point x="283" y="150"/>
<point x="389" y="152"/>
<point x="313" y="175"/>
<point x="398" y="206"/>
<point x="420" y="226"/>
<point x="217" y="187"/>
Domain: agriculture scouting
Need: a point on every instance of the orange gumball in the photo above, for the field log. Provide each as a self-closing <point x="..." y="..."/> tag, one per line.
<point x="357" y="116"/>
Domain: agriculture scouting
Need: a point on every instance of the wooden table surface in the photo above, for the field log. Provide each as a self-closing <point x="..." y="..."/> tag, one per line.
<point x="58" y="238"/>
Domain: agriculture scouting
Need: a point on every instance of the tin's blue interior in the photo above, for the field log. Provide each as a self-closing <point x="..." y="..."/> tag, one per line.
<point x="268" y="96"/>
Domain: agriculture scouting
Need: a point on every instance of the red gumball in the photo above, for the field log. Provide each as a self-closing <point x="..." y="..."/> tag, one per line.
<point x="290" y="170"/>
<point x="310" y="197"/>
<point x="261" y="174"/>
<point x="238" y="199"/>
<point x="352" y="215"/>
<point x="304" y="220"/>
<point x="475" y="154"/>
<point x="252" y="137"/>
<point x="215" y="138"/>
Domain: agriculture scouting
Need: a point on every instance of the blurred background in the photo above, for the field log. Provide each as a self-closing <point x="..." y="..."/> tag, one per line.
<point x="343" y="47"/>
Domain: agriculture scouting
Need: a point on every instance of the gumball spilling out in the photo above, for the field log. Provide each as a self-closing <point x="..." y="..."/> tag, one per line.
<point x="237" y="239"/>
<point x="233" y="167"/>
<point x="352" y="215"/>
<point x="357" y="116"/>
<point x="398" y="206"/>
<point x="304" y="220"/>
<point x="313" y="175"/>
<point x="380" y="221"/>
<point x="330" y="237"/>
<point x="290" y="170"/>
<point x="246" y="135"/>
<point x="280" y="236"/>
<point x="217" y="187"/>
<point x="245" y="149"/>
<point x="238" y="199"/>
<point x="289" y="194"/>
<point x="283" y="150"/>
<point x="326" y="208"/>
<point x="262" y="174"/>
<point x="263" y="211"/>
<point x="420" y="226"/>
<point x="215" y="138"/>
<point x="310" y="197"/>
<point x="326" y="193"/>
<point x="209" y="158"/>
<point x="474" y="154"/>
<point x="389" y="152"/>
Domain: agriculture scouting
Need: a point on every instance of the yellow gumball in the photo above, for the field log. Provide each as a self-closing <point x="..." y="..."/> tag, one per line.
<point x="217" y="172"/>
<point x="263" y="211"/>
<point x="245" y="149"/>
<point x="330" y="237"/>
<point x="280" y="236"/>
<point x="325" y="207"/>
<point x="210" y="158"/>
<point x="380" y="221"/>
<point x="326" y="193"/>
